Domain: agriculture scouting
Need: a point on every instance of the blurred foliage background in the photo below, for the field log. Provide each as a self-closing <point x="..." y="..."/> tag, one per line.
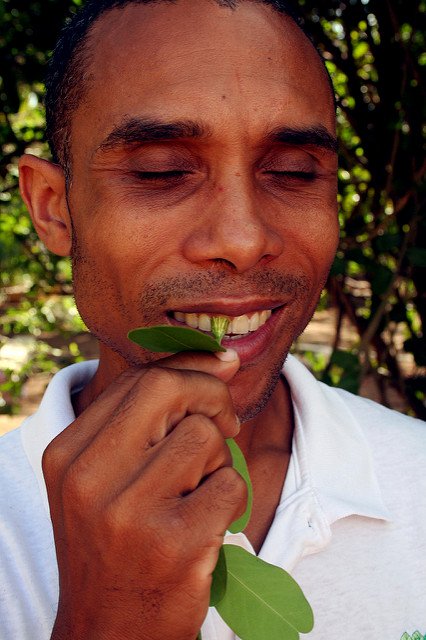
<point x="375" y="53"/>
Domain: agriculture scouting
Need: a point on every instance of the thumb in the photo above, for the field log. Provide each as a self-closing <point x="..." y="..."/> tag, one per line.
<point x="222" y="364"/>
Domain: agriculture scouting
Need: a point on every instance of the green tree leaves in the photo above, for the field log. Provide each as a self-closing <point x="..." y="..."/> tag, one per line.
<point x="375" y="54"/>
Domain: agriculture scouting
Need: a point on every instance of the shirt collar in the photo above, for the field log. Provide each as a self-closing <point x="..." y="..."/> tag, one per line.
<point x="333" y="455"/>
<point x="53" y="415"/>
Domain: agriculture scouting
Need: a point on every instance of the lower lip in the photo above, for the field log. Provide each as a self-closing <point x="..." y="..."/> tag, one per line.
<point x="253" y="344"/>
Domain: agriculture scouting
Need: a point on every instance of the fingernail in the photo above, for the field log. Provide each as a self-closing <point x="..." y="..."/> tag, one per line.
<point x="227" y="356"/>
<point x="238" y="423"/>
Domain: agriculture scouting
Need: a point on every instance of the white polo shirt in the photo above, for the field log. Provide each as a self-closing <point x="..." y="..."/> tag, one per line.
<point x="350" y="526"/>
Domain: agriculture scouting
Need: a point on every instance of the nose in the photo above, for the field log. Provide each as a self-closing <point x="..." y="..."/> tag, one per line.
<point x="234" y="229"/>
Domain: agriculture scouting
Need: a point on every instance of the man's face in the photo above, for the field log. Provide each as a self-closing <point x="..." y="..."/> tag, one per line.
<point x="202" y="182"/>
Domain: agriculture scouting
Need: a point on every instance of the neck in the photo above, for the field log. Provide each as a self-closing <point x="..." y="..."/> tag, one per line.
<point x="272" y="428"/>
<point x="266" y="442"/>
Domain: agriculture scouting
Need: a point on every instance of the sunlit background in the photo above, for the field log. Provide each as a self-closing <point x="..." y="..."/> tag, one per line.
<point x="367" y="335"/>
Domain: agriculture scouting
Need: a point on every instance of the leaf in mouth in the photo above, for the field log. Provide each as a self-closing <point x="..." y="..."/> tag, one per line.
<point x="171" y="339"/>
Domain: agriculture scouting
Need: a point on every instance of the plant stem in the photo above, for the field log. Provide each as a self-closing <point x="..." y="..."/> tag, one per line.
<point x="219" y="327"/>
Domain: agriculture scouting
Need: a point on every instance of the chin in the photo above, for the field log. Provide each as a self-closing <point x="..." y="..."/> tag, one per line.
<point x="251" y="398"/>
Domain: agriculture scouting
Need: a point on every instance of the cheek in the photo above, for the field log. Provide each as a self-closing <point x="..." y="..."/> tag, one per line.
<point x="312" y="241"/>
<point x="320" y="238"/>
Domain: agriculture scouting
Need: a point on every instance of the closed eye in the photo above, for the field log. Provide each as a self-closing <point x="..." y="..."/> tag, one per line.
<point x="295" y="175"/>
<point x="153" y="176"/>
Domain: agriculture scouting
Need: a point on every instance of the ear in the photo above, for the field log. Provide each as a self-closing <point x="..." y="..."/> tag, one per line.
<point x="42" y="186"/>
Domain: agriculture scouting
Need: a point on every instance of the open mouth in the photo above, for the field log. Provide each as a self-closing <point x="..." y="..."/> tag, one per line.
<point x="238" y="325"/>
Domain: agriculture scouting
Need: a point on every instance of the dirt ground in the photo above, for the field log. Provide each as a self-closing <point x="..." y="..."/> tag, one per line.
<point x="317" y="337"/>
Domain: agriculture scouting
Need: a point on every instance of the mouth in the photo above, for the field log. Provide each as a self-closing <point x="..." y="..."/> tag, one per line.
<point x="251" y="334"/>
<point x="238" y="327"/>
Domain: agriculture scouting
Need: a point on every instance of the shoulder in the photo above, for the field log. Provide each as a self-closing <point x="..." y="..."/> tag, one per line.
<point x="382" y="425"/>
<point x="397" y="443"/>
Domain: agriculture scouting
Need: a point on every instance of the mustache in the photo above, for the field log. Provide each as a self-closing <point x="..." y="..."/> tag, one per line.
<point x="172" y="291"/>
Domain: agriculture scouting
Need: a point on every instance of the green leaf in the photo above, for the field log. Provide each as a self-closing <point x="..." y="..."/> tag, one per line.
<point x="262" y="601"/>
<point x="219" y="580"/>
<point x="171" y="339"/>
<point x="239" y="463"/>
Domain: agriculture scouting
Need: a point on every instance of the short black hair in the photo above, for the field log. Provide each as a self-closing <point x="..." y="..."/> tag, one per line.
<point x="69" y="68"/>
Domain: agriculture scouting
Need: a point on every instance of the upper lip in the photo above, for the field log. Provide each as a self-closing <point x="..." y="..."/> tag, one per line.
<point x="229" y="308"/>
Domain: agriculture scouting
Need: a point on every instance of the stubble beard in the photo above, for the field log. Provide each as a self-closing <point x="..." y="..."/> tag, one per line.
<point x="167" y="294"/>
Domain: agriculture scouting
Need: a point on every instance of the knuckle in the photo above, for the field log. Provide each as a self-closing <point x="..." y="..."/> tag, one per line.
<point x="230" y="484"/>
<point x="116" y="519"/>
<point x="165" y="533"/>
<point x="80" y="487"/>
<point x="53" y="460"/>
<point x="131" y="373"/>
<point x="220" y="388"/>
<point x="194" y="433"/>
<point x="175" y="543"/>
<point x="124" y="407"/>
<point x="159" y="380"/>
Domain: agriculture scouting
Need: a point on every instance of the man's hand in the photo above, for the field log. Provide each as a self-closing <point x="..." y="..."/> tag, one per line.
<point x="141" y="491"/>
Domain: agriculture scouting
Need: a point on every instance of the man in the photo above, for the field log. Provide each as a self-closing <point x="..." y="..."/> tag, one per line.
<point x="194" y="176"/>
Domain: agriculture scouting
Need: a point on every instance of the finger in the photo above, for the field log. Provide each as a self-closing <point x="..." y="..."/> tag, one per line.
<point x="79" y="434"/>
<point x="187" y="522"/>
<point x="191" y="452"/>
<point x="160" y="400"/>
<point x="70" y="442"/>
<point x="216" y="503"/>
<point x="206" y="362"/>
<point x="162" y="397"/>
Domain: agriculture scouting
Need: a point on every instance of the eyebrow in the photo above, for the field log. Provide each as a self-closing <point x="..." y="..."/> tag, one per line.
<point x="135" y="131"/>
<point x="315" y="136"/>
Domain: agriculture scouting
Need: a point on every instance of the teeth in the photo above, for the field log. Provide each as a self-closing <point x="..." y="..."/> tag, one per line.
<point x="263" y="316"/>
<point x="254" y="322"/>
<point x="204" y="322"/>
<point x="191" y="319"/>
<point x="240" y="325"/>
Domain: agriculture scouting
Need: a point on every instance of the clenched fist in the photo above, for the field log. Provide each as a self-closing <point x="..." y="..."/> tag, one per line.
<point x="141" y="490"/>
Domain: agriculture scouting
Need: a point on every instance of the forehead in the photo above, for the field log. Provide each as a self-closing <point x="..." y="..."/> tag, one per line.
<point x="240" y="70"/>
